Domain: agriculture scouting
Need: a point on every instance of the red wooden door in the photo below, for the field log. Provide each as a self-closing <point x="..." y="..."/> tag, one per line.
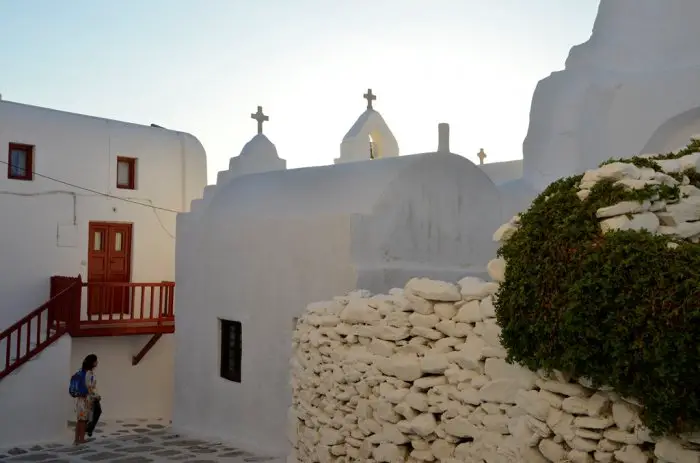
<point x="109" y="261"/>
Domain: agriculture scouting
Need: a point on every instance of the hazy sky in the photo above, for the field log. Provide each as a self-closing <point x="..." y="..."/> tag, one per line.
<point x="202" y="66"/>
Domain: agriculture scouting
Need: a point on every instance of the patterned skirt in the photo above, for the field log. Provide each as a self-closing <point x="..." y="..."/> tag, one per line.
<point x="82" y="408"/>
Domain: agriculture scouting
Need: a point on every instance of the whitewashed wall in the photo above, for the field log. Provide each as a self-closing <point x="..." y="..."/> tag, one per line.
<point x="634" y="86"/>
<point x="45" y="233"/>
<point x="268" y="244"/>
<point x="45" y="225"/>
<point x="34" y="400"/>
<point x="128" y="391"/>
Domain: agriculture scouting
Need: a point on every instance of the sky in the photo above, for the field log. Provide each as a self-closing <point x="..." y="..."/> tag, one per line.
<point x="203" y="66"/>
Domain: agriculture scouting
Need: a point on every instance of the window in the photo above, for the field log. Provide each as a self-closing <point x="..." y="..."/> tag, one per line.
<point x="231" y="350"/>
<point x="126" y="173"/>
<point x="20" y="162"/>
<point x="118" y="241"/>
<point x="97" y="240"/>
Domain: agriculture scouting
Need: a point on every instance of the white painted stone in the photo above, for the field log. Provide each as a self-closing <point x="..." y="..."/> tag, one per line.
<point x="500" y="369"/>
<point x="604" y="457"/>
<point x="631" y="454"/>
<point x="433" y="290"/>
<point x="475" y="288"/>
<point x="579" y="456"/>
<point x="497" y="269"/>
<point x="504" y="232"/>
<point x="460" y="427"/>
<point x="469" y="313"/>
<point x="598" y="404"/>
<point x="389" y="453"/>
<point x="500" y="391"/>
<point x="567" y="389"/>
<point x="687" y="210"/>
<point x="445" y="310"/>
<point x="622" y="208"/>
<point x="624" y="415"/>
<point x="621" y="222"/>
<point x="359" y="311"/>
<point x="591" y="422"/>
<point x="672" y="451"/>
<point x="424" y="424"/>
<point x="552" y="451"/>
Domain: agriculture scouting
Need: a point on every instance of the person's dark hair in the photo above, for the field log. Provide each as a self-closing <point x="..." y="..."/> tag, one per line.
<point x="89" y="362"/>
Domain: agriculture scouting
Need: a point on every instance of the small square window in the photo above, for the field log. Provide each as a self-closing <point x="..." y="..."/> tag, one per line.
<point x="20" y="162"/>
<point x="126" y="173"/>
<point x="231" y="350"/>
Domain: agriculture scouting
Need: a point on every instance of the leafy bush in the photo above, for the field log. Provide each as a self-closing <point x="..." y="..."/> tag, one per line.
<point x="622" y="309"/>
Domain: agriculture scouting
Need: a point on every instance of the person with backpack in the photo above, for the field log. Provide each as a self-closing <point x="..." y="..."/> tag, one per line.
<point x="83" y="387"/>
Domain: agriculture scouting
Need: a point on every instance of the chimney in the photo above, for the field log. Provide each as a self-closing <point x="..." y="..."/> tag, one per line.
<point x="444" y="137"/>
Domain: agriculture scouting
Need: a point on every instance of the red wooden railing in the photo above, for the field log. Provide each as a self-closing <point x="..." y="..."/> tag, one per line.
<point x="128" y="308"/>
<point x="113" y="309"/>
<point x="39" y="329"/>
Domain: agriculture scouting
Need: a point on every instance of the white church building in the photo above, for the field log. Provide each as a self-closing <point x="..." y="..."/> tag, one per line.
<point x="256" y="247"/>
<point x="259" y="248"/>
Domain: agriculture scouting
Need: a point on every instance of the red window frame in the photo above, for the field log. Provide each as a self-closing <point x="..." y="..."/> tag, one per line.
<point x="131" y="163"/>
<point x="29" y="169"/>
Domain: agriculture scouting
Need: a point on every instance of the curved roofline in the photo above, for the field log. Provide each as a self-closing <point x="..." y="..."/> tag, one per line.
<point x="360" y="122"/>
<point x="347" y="187"/>
<point x="86" y="116"/>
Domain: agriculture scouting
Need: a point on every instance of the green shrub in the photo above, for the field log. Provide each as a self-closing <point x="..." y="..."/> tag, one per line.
<point x="622" y="309"/>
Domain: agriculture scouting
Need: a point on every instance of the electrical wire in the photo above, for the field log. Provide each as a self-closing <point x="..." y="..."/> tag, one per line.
<point x="106" y="195"/>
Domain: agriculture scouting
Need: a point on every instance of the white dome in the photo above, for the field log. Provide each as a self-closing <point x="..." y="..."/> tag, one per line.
<point x="260" y="146"/>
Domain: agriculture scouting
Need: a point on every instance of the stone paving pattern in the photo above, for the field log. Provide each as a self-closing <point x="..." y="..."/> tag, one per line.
<point x="133" y="441"/>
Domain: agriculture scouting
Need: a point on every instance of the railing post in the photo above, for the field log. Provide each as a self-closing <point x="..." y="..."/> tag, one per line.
<point x="74" y="301"/>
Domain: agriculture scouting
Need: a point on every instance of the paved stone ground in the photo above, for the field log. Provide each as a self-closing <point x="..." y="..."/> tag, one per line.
<point x="132" y="441"/>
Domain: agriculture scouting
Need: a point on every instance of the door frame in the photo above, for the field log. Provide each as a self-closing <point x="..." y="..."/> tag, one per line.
<point x="128" y="244"/>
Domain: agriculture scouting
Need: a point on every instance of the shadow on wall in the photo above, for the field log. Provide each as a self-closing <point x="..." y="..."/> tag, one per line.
<point x="674" y="133"/>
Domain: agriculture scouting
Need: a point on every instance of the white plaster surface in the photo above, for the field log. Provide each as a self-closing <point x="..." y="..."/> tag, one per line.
<point x="355" y="144"/>
<point x="503" y="172"/>
<point x="258" y="155"/>
<point x="268" y="244"/>
<point x="48" y="233"/>
<point x="129" y="391"/>
<point x="34" y="399"/>
<point x="638" y="74"/>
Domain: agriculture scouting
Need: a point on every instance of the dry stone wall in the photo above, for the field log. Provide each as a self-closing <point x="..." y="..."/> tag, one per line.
<point x="419" y="374"/>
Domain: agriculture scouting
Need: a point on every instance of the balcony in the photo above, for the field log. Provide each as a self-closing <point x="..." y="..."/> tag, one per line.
<point x="117" y="309"/>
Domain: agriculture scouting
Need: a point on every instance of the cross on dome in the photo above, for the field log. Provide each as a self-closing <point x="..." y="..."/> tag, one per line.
<point x="260" y="117"/>
<point x="370" y="97"/>
<point x="481" y="156"/>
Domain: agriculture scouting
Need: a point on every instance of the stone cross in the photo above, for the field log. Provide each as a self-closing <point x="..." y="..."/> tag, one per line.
<point x="370" y="97"/>
<point x="260" y="117"/>
<point x="481" y="156"/>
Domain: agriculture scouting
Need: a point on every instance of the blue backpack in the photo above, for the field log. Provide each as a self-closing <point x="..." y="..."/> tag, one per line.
<point x="78" y="385"/>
